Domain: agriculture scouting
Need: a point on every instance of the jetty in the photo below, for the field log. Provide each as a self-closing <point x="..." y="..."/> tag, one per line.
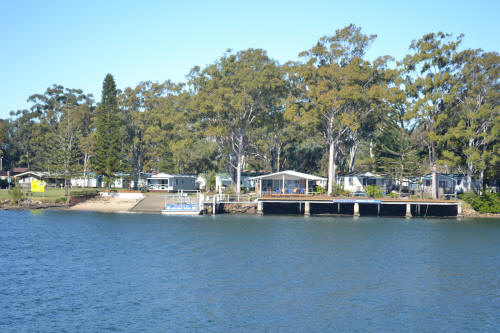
<point x="325" y="205"/>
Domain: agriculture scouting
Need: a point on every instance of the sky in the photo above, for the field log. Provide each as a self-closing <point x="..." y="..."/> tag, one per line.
<point x="76" y="43"/>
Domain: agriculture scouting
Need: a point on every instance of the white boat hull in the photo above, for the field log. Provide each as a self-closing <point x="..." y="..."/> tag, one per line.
<point x="181" y="212"/>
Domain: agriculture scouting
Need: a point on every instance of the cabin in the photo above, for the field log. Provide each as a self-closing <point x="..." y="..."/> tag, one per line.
<point x="24" y="179"/>
<point x="89" y="180"/>
<point x="223" y="181"/>
<point x="356" y="182"/>
<point x="448" y="184"/>
<point x="170" y="182"/>
<point x="287" y="182"/>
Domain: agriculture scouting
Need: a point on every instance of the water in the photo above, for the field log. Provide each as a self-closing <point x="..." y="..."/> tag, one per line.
<point x="78" y="271"/>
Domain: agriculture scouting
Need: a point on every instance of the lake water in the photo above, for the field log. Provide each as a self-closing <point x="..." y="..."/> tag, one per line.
<point x="80" y="271"/>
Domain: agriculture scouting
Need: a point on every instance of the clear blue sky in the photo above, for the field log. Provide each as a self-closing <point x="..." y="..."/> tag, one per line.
<point x="75" y="43"/>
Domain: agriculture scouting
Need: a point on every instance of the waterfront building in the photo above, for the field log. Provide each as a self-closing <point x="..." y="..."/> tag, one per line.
<point x="356" y="182"/>
<point x="170" y="182"/>
<point x="287" y="182"/>
<point x="448" y="184"/>
<point x="24" y="179"/>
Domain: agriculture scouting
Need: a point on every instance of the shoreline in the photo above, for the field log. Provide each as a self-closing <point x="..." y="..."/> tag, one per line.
<point x="122" y="205"/>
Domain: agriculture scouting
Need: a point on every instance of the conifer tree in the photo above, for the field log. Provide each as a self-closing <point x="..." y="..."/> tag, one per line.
<point x="106" y="159"/>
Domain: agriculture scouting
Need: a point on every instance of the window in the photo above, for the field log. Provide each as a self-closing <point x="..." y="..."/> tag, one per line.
<point x="351" y="181"/>
<point x="428" y="182"/>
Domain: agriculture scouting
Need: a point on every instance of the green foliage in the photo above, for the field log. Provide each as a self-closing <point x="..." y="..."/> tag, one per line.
<point x="83" y="192"/>
<point x="16" y="194"/>
<point x="393" y="195"/>
<point x="487" y="202"/>
<point x="319" y="189"/>
<point x="61" y="200"/>
<point x="107" y="143"/>
<point x="373" y="191"/>
<point x="438" y="108"/>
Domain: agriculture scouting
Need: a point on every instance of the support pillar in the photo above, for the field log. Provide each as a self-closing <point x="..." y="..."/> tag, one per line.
<point x="408" y="210"/>
<point x="260" y="208"/>
<point x="307" y="209"/>
<point x="459" y="210"/>
<point x="378" y="209"/>
<point x="338" y="208"/>
<point x="214" y="206"/>
<point x="356" y="209"/>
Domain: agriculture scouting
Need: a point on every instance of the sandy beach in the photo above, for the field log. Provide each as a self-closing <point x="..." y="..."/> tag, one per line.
<point x="105" y="204"/>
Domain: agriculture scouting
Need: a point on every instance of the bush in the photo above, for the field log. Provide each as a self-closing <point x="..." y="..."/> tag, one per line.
<point x="83" y="192"/>
<point x="487" y="202"/>
<point x="4" y="183"/>
<point x="16" y="194"/>
<point x="319" y="189"/>
<point x="393" y="195"/>
<point x="62" y="199"/>
<point x="373" y="191"/>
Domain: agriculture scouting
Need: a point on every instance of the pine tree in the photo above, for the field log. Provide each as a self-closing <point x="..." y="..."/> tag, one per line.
<point x="106" y="159"/>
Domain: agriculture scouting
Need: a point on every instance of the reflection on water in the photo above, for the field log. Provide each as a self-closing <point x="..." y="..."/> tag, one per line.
<point x="74" y="271"/>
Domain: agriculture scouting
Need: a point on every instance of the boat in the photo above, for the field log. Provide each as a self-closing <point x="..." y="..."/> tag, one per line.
<point x="182" y="209"/>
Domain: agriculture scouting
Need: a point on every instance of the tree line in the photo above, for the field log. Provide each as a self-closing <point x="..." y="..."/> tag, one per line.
<point x="332" y="111"/>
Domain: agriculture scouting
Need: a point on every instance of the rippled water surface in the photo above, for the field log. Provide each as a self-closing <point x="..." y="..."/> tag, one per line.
<point x="79" y="271"/>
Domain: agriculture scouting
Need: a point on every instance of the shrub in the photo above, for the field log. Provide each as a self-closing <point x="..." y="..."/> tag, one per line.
<point x="83" y="192"/>
<point x="373" y="191"/>
<point x="319" y="189"/>
<point x="393" y="195"/>
<point x="16" y="193"/>
<point x="487" y="202"/>
<point x="4" y="183"/>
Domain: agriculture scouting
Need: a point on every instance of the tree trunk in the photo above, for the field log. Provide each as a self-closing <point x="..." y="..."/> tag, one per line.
<point x="352" y="155"/>
<point x="238" y="176"/>
<point x="278" y="151"/>
<point x="240" y="164"/>
<point x="332" y="167"/>
<point x="434" y="182"/>
<point x="371" y="149"/>
<point x="481" y="181"/>
<point x="136" y="176"/>
<point x="469" y="176"/>
<point x="66" y="191"/>
<point x="401" y="178"/>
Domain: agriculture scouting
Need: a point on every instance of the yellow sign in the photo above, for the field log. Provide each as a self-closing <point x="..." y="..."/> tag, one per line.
<point x="37" y="186"/>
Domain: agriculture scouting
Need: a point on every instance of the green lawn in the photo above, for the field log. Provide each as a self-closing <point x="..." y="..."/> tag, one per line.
<point x="50" y="194"/>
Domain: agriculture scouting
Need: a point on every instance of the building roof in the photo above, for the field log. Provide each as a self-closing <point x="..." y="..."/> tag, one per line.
<point x="38" y="174"/>
<point x="290" y="175"/>
<point x="365" y="175"/>
<point x="163" y="175"/>
<point x="19" y="170"/>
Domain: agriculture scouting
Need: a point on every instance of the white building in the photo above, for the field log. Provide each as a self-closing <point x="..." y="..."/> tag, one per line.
<point x="24" y="179"/>
<point x="169" y="182"/>
<point x="447" y="183"/>
<point x="357" y="182"/>
<point x="287" y="182"/>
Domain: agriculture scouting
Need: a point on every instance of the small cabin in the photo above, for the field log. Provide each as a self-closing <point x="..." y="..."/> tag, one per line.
<point x="171" y="182"/>
<point x="357" y="182"/>
<point x="24" y="179"/>
<point x="287" y="182"/>
<point x="447" y="183"/>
